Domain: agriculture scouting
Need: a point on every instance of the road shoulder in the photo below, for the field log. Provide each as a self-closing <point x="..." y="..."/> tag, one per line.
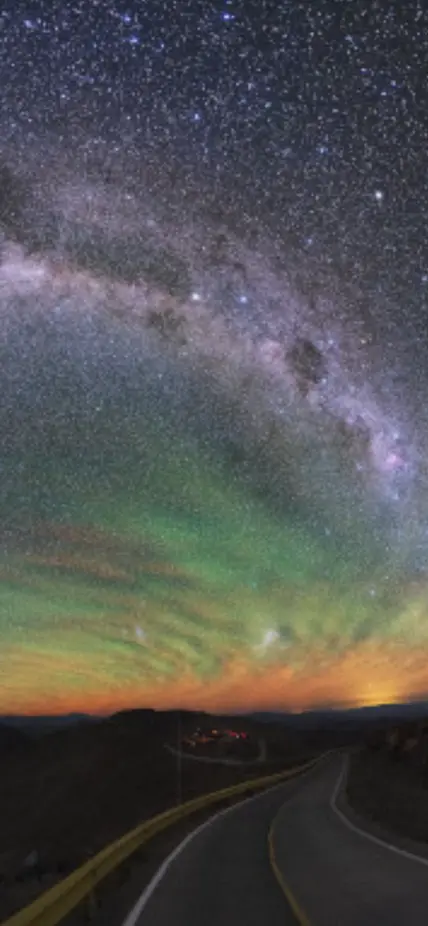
<point x="372" y="828"/>
<point x="339" y="875"/>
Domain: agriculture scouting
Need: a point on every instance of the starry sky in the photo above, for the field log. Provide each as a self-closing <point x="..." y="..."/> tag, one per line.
<point x="214" y="345"/>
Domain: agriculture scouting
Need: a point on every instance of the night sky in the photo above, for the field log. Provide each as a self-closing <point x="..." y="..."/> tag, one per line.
<point x="214" y="354"/>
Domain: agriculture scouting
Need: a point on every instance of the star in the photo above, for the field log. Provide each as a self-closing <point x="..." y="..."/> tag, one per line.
<point x="214" y="366"/>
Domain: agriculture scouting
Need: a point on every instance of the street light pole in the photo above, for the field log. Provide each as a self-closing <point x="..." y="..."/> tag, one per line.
<point x="179" y="762"/>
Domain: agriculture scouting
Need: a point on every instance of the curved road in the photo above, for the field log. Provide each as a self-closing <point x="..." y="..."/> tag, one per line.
<point x="282" y="858"/>
<point x="220" y="760"/>
<point x="223" y="875"/>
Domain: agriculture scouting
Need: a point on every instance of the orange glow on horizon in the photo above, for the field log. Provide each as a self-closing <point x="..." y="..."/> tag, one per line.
<point x="370" y="675"/>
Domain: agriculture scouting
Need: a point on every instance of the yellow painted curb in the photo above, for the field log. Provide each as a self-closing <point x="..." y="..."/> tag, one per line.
<point x="299" y="913"/>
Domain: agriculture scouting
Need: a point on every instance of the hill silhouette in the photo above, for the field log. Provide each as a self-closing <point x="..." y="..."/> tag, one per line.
<point x="71" y="785"/>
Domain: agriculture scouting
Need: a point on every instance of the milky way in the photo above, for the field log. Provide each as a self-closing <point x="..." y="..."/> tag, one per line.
<point x="213" y="295"/>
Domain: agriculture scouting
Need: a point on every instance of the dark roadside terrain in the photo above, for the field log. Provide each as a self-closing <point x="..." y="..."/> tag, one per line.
<point x="68" y="789"/>
<point x="388" y="778"/>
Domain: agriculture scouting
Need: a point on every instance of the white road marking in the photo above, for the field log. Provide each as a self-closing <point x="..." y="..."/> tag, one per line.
<point x="143" y="900"/>
<point x="356" y="829"/>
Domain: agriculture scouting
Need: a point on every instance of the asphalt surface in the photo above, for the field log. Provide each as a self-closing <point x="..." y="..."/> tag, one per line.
<point x="219" y="760"/>
<point x="340" y="877"/>
<point x="223" y="876"/>
<point x="331" y="874"/>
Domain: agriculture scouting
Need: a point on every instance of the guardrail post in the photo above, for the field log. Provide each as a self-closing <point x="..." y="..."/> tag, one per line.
<point x="91" y="904"/>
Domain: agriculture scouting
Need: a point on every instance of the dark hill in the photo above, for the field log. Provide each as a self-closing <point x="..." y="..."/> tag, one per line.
<point x="80" y="786"/>
<point x="12" y="740"/>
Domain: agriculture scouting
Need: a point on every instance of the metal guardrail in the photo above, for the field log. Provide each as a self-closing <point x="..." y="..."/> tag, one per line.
<point x="56" y="903"/>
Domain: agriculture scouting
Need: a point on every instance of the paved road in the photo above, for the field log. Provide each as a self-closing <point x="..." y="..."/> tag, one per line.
<point x="340" y="877"/>
<point x="223" y="877"/>
<point x="331" y="874"/>
<point x="219" y="760"/>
